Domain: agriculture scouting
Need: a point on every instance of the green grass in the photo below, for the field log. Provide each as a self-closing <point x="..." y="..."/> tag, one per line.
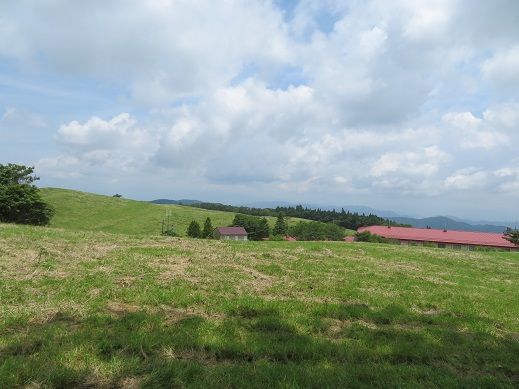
<point x="83" y="308"/>
<point x="86" y="211"/>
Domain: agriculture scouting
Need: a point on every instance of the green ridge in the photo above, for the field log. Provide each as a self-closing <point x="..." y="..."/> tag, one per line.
<point x="86" y="211"/>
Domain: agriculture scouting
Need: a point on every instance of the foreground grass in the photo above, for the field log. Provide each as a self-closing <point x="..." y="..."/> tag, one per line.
<point x="95" y="309"/>
<point x="86" y="211"/>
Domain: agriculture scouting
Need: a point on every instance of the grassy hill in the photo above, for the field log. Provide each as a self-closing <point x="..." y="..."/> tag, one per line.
<point x="91" y="309"/>
<point x="86" y="211"/>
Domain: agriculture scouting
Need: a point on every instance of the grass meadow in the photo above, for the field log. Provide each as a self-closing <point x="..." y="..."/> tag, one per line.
<point x="94" y="309"/>
<point x="86" y="211"/>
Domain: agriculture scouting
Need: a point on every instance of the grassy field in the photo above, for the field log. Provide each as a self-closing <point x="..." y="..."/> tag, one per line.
<point x="86" y="211"/>
<point x="104" y="310"/>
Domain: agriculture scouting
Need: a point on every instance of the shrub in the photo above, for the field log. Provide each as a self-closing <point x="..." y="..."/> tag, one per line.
<point x="367" y="236"/>
<point x="169" y="232"/>
<point x="316" y="231"/>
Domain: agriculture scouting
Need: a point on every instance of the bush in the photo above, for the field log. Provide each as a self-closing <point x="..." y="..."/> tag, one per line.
<point x="367" y="236"/>
<point x="316" y="231"/>
<point x="20" y="199"/>
<point x="169" y="232"/>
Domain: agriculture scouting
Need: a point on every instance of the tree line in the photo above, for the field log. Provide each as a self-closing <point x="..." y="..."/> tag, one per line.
<point x="258" y="228"/>
<point x="342" y="218"/>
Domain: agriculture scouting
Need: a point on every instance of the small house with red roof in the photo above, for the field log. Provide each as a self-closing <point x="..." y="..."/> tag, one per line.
<point x="462" y="240"/>
<point x="230" y="233"/>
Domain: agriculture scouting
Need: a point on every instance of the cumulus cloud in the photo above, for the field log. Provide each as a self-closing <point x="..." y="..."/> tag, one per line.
<point x="423" y="163"/>
<point x="477" y="133"/>
<point x="101" y="147"/>
<point x="160" y="47"/>
<point x="501" y="69"/>
<point x="370" y="97"/>
<point x="96" y="133"/>
<point x="467" y="179"/>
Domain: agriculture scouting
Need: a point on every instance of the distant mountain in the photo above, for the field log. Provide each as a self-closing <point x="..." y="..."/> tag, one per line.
<point x="176" y="202"/>
<point x="441" y="222"/>
<point x="509" y="223"/>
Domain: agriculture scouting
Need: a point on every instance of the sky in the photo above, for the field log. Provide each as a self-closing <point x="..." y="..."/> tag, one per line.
<point x="407" y="105"/>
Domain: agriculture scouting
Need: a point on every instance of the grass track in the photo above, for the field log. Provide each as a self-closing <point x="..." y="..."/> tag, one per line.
<point x="88" y="308"/>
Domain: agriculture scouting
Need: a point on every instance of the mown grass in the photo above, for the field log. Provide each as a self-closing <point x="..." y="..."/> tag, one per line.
<point x="105" y="310"/>
<point x="86" y="211"/>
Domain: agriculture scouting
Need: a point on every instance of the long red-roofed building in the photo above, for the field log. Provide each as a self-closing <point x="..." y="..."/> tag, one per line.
<point x="467" y="240"/>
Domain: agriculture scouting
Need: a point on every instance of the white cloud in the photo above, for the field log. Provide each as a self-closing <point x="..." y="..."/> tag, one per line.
<point x="96" y="132"/>
<point x="477" y="133"/>
<point x="467" y="179"/>
<point x="463" y="120"/>
<point x="501" y="69"/>
<point x="160" y="47"/>
<point x="327" y="96"/>
<point x="423" y="163"/>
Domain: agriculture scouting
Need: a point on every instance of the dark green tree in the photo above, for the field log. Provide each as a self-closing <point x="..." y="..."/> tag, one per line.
<point x="262" y="229"/>
<point x="257" y="228"/>
<point x="512" y="236"/>
<point x="194" y="230"/>
<point x="20" y="199"/>
<point x="316" y="231"/>
<point x="207" y="232"/>
<point x="281" y="226"/>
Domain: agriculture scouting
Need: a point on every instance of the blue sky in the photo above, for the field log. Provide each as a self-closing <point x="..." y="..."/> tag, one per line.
<point x="411" y="106"/>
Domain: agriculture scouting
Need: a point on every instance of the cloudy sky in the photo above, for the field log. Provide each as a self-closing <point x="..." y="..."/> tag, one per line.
<point x="406" y="105"/>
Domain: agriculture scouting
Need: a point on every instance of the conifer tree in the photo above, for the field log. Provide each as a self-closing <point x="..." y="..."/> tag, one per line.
<point x="281" y="226"/>
<point x="512" y="236"/>
<point x="193" y="230"/>
<point x="208" y="229"/>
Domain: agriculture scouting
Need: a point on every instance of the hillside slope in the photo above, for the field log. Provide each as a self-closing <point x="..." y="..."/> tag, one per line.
<point x="90" y="309"/>
<point x="86" y="211"/>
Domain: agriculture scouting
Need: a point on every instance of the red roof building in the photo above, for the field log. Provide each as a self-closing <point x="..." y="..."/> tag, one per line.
<point x="230" y="233"/>
<point x="442" y="238"/>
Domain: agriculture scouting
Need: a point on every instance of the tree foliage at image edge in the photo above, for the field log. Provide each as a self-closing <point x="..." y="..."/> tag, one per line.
<point x="20" y="199"/>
